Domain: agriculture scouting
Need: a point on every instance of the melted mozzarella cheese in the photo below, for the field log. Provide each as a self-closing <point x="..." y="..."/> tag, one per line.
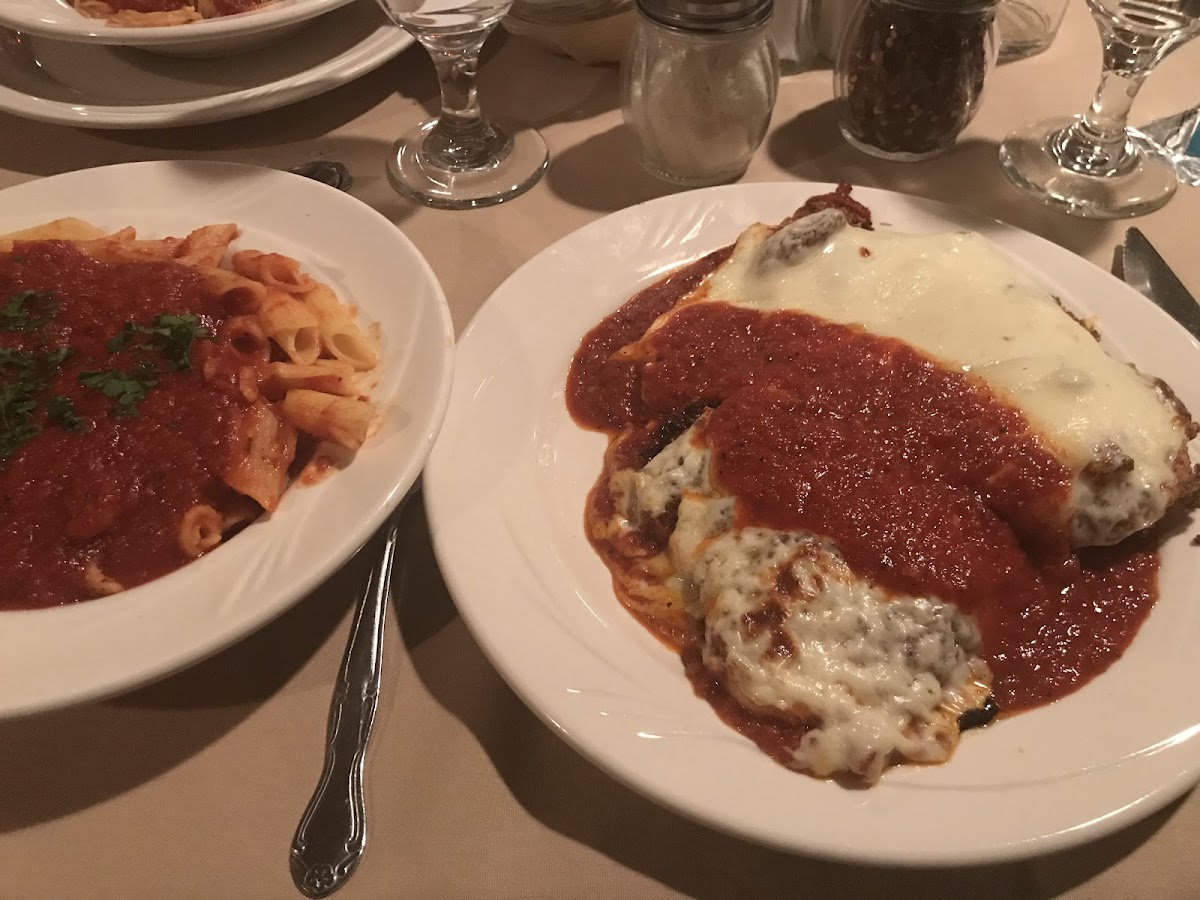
<point x="875" y="671"/>
<point x="954" y="298"/>
<point x="877" y="676"/>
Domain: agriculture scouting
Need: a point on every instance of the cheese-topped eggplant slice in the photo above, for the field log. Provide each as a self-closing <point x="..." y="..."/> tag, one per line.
<point x="857" y="678"/>
<point x="955" y="299"/>
<point x="848" y="478"/>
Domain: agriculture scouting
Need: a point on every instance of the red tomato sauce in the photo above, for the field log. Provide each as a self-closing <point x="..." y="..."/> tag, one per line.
<point x="232" y="7"/>
<point x="220" y="7"/>
<point x="927" y="482"/>
<point x="148" y="6"/>
<point x="114" y="491"/>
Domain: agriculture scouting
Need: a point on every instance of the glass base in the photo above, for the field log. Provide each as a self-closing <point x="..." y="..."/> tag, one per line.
<point x="892" y="155"/>
<point x="1187" y="167"/>
<point x="691" y="181"/>
<point x="413" y="175"/>
<point x="1141" y="186"/>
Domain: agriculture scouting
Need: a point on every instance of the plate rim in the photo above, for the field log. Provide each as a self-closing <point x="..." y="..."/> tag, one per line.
<point x="194" y="34"/>
<point x="381" y="46"/>
<point x="554" y="715"/>
<point x="402" y="479"/>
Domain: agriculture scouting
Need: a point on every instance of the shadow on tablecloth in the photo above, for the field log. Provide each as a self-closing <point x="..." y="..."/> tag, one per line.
<point x="967" y="176"/>
<point x="566" y="793"/>
<point x="90" y="753"/>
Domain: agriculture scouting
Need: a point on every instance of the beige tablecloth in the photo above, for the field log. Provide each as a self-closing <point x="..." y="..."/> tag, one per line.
<point x="192" y="787"/>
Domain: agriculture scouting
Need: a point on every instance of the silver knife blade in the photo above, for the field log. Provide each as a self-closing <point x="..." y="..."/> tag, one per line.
<point x="1146" y="271"/>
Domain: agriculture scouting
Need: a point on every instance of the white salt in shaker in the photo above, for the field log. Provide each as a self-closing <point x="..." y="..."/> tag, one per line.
<point x="698" y="86"/>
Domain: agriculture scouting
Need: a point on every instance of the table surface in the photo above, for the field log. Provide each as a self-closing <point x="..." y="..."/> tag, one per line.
<point x="191" y="787"/>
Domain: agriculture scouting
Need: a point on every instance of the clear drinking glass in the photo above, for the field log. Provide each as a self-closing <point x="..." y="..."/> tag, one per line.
<point x="1028" y="27"/>
<point x="1090" y="165"/>
<point x="461" y="159"/>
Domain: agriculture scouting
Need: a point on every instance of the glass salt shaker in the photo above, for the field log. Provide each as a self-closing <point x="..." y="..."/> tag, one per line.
<point x="910" y="74"/>
<point x="698" y="85"/>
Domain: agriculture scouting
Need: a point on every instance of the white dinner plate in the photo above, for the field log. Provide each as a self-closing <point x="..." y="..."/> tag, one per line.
<point x="56" y="656"/>
<point x="505" y="491"/>
<point x="221" y="35"/>
<point x="92" y="86"/>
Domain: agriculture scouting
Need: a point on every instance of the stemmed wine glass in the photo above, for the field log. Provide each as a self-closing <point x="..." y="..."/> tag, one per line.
<point x="461" y="159"/>
<point x="1090" y="165"/>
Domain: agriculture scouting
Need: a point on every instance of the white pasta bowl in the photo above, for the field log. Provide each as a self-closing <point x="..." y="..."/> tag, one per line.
<point x="221" y="36"/>
<point x="57" y="656"/>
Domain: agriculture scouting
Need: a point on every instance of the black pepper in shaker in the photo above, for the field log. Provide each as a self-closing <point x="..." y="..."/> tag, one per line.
<point x="910" y="73"/>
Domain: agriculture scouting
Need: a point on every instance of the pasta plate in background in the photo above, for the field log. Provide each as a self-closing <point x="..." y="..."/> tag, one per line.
<point x="154" y="401"/>
<point x="191" y="29"/>
<point x="155" y="13"/>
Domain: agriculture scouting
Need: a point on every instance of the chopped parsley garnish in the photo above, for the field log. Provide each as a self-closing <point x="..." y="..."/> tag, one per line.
<point x="61" y="411"/>
<point x="17" y="359"/>
<point x="56" y="358"/>
<point x="24" y="374"/>
<point x="16" y="415"/>
<point x="27" y="310"/>
<point x="168" y="334"/>
<point x="124" y="389"/>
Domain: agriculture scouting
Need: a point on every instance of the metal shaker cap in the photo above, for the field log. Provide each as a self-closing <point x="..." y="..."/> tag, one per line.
<point x="707" y="16"/>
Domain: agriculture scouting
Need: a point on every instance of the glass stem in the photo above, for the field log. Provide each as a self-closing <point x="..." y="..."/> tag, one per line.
<point x="1109" y="113"/>
<point x="1098" y="143"/>
<point x="462" y="137"/>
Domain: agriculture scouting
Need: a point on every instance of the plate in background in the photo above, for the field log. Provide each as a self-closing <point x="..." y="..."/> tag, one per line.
<point x="209" y="37"/>
<point x="93" y="86"/>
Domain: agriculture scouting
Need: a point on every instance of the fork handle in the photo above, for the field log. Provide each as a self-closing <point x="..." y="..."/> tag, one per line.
<point x="333" y="830"/>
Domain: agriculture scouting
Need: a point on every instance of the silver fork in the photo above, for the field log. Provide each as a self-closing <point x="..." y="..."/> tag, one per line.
<point x="332" y="832"/>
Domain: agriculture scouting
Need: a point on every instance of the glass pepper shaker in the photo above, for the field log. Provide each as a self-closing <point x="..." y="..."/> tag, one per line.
<point x="698" y="86"/>
<point x="910" y="74"/>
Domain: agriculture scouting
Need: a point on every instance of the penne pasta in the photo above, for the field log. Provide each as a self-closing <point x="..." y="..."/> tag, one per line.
<point x="237" y="512"/>
<point x="132" y="18"/>
<point x="340" y="335"/>
<point x="339" y="419"/>
<point x="247" y="383"/>
<point x="328" y="376"/>
<point x="59" y="230"/>
<point x="238" y="293"/>
<point x="245" y="334"/>
<point x="121" y="249"/>
<point x="127" y="14"/>
<point x="219" y="359"/>
<point x="274" y="270"/>
<point x="97" y="583"/>
<point x="291" y="325"/>
<point x="200" y="530"/>
<point x="263" y="450"/>
<point x="206" y="245"/>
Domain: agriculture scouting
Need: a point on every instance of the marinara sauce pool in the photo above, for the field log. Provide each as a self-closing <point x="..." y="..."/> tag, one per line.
<point x="813" y="429"/>
<point x="108" y="433"/>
